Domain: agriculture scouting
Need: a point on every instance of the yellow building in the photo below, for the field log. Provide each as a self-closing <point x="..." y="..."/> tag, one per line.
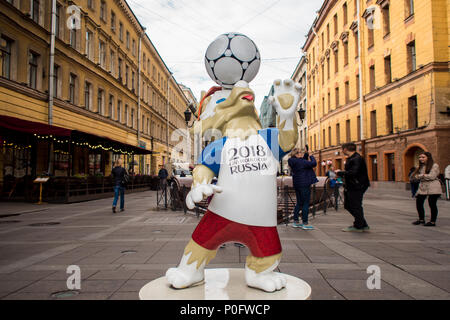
<point x="110" y="86"/>
<point x="389" y="94"/>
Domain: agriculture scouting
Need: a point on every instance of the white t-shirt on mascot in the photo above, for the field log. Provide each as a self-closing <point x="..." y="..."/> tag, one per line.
<point x="247" y="171"/>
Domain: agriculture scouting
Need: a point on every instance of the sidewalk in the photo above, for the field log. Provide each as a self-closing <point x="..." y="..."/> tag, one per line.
<point x="119" y="253"/>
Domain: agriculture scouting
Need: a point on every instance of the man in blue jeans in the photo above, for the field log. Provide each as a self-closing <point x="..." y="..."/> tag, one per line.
<point x="303" y="176"/>
<point x="118" y="173"/>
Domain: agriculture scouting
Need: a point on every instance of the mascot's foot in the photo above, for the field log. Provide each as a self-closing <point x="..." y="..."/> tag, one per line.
<point x="180" y="278"/>
<point x="267" y="281"/>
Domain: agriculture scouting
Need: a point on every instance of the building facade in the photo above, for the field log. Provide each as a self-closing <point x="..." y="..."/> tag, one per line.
<point x="108" y="81"/>
<point x="378" y="75"/>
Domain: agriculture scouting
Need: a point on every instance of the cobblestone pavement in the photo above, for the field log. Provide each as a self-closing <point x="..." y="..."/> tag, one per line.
<point x="119" y="253"/>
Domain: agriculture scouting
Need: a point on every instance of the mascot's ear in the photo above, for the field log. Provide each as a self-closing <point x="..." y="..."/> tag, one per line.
<point x="203" y="103"/>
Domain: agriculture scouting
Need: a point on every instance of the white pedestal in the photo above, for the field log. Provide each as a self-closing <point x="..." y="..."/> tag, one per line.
<point x="224" y="284"/>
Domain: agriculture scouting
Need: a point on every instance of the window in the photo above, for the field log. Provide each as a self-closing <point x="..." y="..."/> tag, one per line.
<point x="89" y="41"/>
<point x="148" y="126"/>
<point x="328" y="68"/>
<point x="121" y="31"/>
<point x="111" y="106"/>
<point x="373" y="124"/>
<point x="35" y="10"/>
<point x="409" y="5"/>
<point x="370" y="36"/>
<point x="103" y="10"/>
<point x="91" y="4"/>
<point x="344" y="9"/>
<point x="336" y="61"/>
<point x="411" y="59"/>
<point x="338" y="133"/>
<point x="330" y="142"/>
<point x="120" y="70"/>
<point x="73" y="37"/>
<point x="100" y="102"/>
<point x="323" y="73"/>
<point x="357" y="87"/>
<point x="87" y="95"/>
<point x="356" y="44"/>
<point x="336" y="94"/>
<point x="56" y="70"/>
<point x="113" y="21"/>
<point x="143" y="124"/>
<point x="413" y="121"/>
<point x="372" y="77"/>
<point x="144" y="60"/>
<point x="132" y="80"/>
<point x="5" y="56"/>
<point x="348" y="132"/>
<point x="102" y="53"/>
<point x="112" y="59"/>
<point x="387" y="69"/>
<point x="335" y="24"/>
<point x="345" y="44"/>
<point x="128" y="40"/>
<point x="33" y="69"/>
<point x="386" y="20"/>
<point x="57" y="20"/>
<point x="132" y="118"/>
<point x="133" y="48"/>
<point x="389" y="119"/>
<point x="119" y="111"/>
<point x="323" y="42"/>
<point x="347" y="92"/>
<point x="328" y="34"/>
<point x="329" y="102"/>
<point x="72" y="88"/>
<point x="323" y="105"/>
<point x="314" y="84"/>
<point x="127" y="70"/>
<point x="126" y="116"/>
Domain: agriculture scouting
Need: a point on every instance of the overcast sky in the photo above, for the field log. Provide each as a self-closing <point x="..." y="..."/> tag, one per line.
<point x="181" y="31"/>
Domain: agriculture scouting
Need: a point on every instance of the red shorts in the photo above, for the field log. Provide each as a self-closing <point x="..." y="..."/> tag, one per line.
<point x="214" y="230"/>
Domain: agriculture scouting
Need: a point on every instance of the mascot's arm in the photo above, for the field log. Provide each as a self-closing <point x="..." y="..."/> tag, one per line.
<point x="284" y="100"/>
<point x="202" y="175"/>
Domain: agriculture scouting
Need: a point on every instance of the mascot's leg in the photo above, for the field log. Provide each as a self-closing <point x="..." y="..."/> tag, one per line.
<point x="190" y="271"/>
<point x="259" y="273"/>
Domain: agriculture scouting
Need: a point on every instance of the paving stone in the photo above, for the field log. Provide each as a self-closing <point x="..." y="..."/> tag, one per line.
<point x="101" y="285"/>
<point x="125" y="296"/>
<point x="112" y="275"/>
<point x="133" y="285"/>
<point x="9" y="286"/>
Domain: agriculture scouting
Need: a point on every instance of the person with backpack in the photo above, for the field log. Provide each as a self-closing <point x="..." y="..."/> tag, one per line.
<point x="303" y="176"/>
<point x="429" y="186"/>
<point x="120" y="179"/>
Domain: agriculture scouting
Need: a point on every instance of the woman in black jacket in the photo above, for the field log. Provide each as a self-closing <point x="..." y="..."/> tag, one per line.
<point x="303" y="177"/>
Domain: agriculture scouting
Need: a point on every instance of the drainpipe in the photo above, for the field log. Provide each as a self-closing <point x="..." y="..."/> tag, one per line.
<point x="167" y="118"/>
<point x="139" y="91"/>
<point x="361" y="94"/>
<point x="318" y="110"/>
<point x="51" y="72"/>
<point x="51" y="77"/>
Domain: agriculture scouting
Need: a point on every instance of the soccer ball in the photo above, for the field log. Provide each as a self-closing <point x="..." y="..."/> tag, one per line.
<point x="232" y="57"/>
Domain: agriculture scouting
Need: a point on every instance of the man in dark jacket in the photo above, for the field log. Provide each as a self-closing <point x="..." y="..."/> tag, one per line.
<point x="356" y="182"/>
<point x="118" y="173"/>
<point x="163" y="174"/>
<point x="303" y="177"/>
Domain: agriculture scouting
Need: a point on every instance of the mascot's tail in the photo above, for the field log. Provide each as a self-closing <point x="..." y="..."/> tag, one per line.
<point x="210" y="92"/>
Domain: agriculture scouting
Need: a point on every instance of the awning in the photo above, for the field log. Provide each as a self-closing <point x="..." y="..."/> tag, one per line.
<point x="21" y="125"/>
<point x="41" y="129"/>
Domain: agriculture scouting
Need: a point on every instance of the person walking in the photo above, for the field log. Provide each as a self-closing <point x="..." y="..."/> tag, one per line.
<point x="119" y="177"/>
<point x="163" y="174"/>
<point x="429" y="186"/>
<point x="356" y="183"/>
<point x="303" y="176"/>
<point x="413" y="182"/>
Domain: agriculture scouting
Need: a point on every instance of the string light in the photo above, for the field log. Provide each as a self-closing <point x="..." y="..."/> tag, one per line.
<point x="86" y="144"/>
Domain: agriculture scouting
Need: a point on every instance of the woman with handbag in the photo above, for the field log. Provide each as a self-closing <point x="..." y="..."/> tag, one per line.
<point x="429" y="186"/>
<point x="120" y="178"/>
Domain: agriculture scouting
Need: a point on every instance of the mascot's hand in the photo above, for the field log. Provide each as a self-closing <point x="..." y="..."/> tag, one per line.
<point x="200" y="191"/>
<point x="285" y="100"/>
